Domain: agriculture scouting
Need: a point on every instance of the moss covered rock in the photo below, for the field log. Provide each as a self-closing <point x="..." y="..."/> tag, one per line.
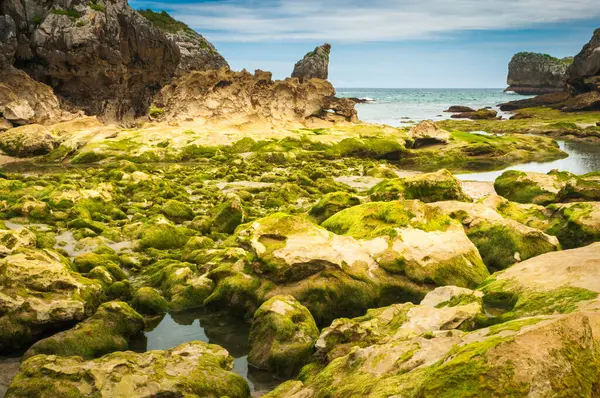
<point x="546" y="285"/>
<point x="332" y="203"/>
<point x="552" y="356"/>
<point x="183" y="284"/>
<point x="11" y="240"/>
<point x="38" y="293"/>
<point x="177" y="211"/>
<point x="501" y="242"/>
<point x="191" y="369"/>
<point x="108" y="330"/>
<point x="227" y="216"/>
<point x="148" y="300"/>
<point x="163" y="235"/>
<point x="282" y="336"/>
<point x="445" y="308"/>
<point x="429" y="187"/>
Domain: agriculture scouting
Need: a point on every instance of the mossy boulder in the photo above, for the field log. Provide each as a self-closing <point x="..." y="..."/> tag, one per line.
<point x="282" y="336"/>
<point x="575" y="224"/>
<point x="428" y="187"/>
<point x="40" y="293"/>
<point x="413" y="239"/>
<point x="445" y="308"/>
<point x="227" y="216"/>
<point x="163" y="235"/>
<point x="544" y="189"/>
<point x="190" y="369"/>
<point x="545" y="285"/>
<point x="108" y="330"/>
<point x="544" y="356"/>
<point x="177" y="211"/>
<point x="149" y="301"/>
<point x="12" y="240"/>
<point x="184" y="285"/>
<point x="501" y="242"/>
<point x="332" y="203"/>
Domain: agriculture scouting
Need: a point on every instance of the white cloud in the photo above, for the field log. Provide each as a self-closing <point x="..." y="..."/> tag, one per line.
<point x="369" y="20"/>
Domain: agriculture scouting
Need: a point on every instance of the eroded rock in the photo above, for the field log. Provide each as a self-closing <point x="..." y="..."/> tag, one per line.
<point x="315" y="64"/>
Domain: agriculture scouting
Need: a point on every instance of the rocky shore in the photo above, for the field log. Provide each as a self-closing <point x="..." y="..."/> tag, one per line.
<point x="158" y="181"/>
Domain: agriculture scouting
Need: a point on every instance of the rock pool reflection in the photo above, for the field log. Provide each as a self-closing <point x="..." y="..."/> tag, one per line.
<point x="219" y="328"/>
<point x="584" y="157"/>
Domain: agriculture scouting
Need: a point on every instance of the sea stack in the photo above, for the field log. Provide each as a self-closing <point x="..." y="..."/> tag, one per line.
<point x="534" y="74"/>
<point x="315" y="64"/>
<point x="584" y="77"/>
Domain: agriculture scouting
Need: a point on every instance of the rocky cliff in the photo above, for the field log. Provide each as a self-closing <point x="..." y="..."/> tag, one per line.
<point x="315" y="64"/>
<point x="533" y="73"/>
<point x="242" y="97"/>
<point x="101" y="57"/>
<point x="584" y="77"/>
<point x="197" y="53"/>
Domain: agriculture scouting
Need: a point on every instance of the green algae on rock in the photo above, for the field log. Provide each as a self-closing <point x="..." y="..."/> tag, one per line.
<point x="190" y="369"/>
<point x="332" y="203"/>
<point x="40" y="293"/>
<point x="429" y="187"/>
<point x="148" y="301"/>
<point x="282" y="336"/>
<point x="108" y="330"/>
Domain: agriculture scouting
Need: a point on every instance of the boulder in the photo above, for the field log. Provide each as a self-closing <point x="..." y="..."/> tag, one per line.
<point x="444" y="308"/>
<point x="426" y="187"/>
<point x="315" y="64"/>
<point x="227" y="216"/>
<point x="534" y="73"/>
<point x="481" y="114"/>
<point x="459" y="109"/>
<point x="332" y="203"/>
<point x="184" y="285"/>
<point x="190" y="369"/>
<point x="544" y="285"/>
<point x="102" y="58"/>
<point x="177" y="211"/>
<point x="11" y="240"/>
<point x="40" y="293"/>
<point x="18" y="112"/>
<point x="589" y="101"/>
<point x="554" y="187"/>
<point x="282" y="336"/>
<point x="501" y="242"/>
<point x="427" y="133"/>
<point x="109" y="329"/>
<point x="535" y="357"/>
<point x="149" y="301"/>
<point x="27" y="141"/>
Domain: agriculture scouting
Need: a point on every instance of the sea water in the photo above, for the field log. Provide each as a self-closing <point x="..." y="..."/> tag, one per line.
<point x="402" y="106"/>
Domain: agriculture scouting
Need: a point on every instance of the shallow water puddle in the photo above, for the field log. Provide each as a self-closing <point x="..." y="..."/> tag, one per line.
<point x="220" y="328"/>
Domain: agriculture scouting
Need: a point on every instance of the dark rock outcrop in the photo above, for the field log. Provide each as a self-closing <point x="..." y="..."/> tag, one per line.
<point x="8" y="40"/>
<point x="103" y="58"/>
<point x="459" y="109"/>
<point x="584" y="77"/>
<point x="533" y="73"/>
<point x="241" y="97"/>
<point x="481" y="114"/>
<point x="554" y="100"/>
<point x="197" y="53"/>
<point x="315" y="64"/>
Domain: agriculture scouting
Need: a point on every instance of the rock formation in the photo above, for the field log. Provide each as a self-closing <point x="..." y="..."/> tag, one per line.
<point x="533" y="73"/>
<point x="197" y="53"/>
<point x="102" y="58"/>
<point x="240" y="97"/>
<point x="315" y="64"/>
<point x="584" y="77"/>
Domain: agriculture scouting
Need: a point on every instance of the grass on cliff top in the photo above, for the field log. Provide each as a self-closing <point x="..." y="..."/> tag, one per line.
<point x="566" y="60"/>
<point x="164" y="21"/>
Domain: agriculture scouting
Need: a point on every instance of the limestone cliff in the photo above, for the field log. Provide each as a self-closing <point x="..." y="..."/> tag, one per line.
<point x="315" y="64"/>
<point x="584" y="77"/>
<point x="197" y="53"/>
<point x="240" y="97"/>
<point x="100" y="56"/>
<point x="533" y="73"/>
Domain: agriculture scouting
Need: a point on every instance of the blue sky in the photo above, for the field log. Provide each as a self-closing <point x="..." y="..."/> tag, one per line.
<point x="390" y="43"/>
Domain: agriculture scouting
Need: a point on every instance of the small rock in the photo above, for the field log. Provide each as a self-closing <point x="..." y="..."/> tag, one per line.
<point x="19" y="112"/>
<point x="459" y="109"/>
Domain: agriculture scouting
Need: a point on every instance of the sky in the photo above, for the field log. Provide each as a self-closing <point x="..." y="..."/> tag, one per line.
<point x="390" y="43"/>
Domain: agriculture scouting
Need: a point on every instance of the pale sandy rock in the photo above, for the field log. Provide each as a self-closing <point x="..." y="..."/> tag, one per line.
<point x="18" y="112"/>
<point x="39" y="291"/>
<point x="15" y="239"/>
<point x="428" y="133"/>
